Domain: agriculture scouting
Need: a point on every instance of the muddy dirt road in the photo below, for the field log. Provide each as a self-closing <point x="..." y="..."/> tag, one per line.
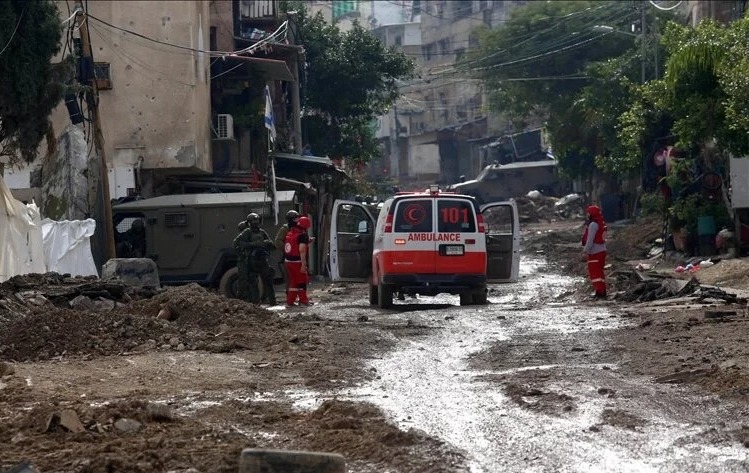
<point x="539" y="380"/>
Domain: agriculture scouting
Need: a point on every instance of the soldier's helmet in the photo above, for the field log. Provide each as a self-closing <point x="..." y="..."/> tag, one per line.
<point x="253" y="220"/>
<point x="291" y="217"/>
<point x="304" y="222"/>
<point x="137" y="226"/>
<point x="242" y="226"/>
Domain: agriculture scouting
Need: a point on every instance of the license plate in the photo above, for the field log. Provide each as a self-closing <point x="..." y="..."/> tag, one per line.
<point x="454" y="250"/>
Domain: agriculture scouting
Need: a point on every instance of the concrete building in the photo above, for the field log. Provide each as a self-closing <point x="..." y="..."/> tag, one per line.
<point x="154" y="99"/>
<point x="724" y="11"/>
<point x="442" y="119"/>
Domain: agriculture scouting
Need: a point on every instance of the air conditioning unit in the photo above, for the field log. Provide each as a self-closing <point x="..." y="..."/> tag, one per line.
<point x="224" y="127"/>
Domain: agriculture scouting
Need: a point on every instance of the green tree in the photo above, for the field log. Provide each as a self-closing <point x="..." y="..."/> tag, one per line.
<point x="350" y="80"/>
<point x="551" y="64"/>
<point x="30" y="87"/>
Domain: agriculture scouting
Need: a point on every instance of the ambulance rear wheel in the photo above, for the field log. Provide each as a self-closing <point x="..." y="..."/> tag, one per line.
<point x="384" y="296"/>
<point x="466" y="298"/>
<point x="479" y="299"/>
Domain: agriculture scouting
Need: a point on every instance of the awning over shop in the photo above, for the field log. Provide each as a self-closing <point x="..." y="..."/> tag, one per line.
<point x="270" y="68"/>
<point x="296" y="166"/>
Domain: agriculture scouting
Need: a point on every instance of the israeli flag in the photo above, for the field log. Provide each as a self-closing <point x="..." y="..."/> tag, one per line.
<point x="270" y="123"/>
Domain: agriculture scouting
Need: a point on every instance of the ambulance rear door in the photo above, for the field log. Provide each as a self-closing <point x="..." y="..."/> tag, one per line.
<point x="502" y="241"/>
<point x="351" y="242"/>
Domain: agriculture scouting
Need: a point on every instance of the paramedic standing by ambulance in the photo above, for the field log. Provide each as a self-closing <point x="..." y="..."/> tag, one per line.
<point x="594" y="250"/>
<point x="296" y="248"/>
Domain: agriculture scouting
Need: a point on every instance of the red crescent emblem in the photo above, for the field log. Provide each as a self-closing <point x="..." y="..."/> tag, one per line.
<point x="414" y="214"/>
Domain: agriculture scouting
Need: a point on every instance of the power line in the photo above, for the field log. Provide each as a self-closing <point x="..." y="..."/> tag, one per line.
<point x="281" y="31"/>
<point x="13" y="35"/>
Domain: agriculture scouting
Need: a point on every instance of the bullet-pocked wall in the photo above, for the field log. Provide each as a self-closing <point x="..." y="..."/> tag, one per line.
<point x="154" y="98"/>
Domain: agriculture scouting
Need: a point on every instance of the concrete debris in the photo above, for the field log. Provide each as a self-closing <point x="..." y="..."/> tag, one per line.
<point x="132" y="272"/>
<point x="67" y="420"/>
<point x="127" y="425"/>
<point x="649" y="287"/>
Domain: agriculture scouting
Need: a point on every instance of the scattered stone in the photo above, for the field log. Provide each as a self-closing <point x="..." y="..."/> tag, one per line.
<point x="127" y="425"/>
<point x="166" y="313"/>
<point x="82" y="303"/>
<point x="6" y="369"/>
<point x="362" y="318"/>
<point x="159" y="412"/>
<point x="173" y="342"/>
<point x="606" y="392"/>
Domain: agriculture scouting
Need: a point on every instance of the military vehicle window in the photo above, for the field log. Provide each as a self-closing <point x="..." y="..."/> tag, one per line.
<point x="498" y="220"/>
<point x="176" y="220"/>
<point x="455" y="216"/>
<point x="413" y="216"/>
<point x="130" y="237"/>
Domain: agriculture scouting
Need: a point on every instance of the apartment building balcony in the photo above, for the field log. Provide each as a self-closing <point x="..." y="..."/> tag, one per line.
<point x="255" y="19"/>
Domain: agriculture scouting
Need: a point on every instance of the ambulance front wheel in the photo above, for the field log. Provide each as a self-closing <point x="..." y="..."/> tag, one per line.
<point x="373" y="297"/>
<point x="466" y="298"/>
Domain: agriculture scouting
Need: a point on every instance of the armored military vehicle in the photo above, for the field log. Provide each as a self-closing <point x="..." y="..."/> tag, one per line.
<point x="190" y="236"/>
<point x="499" y="182"/>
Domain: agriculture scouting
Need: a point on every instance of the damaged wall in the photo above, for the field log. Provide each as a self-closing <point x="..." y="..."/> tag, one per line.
<point x="158" y="100"/>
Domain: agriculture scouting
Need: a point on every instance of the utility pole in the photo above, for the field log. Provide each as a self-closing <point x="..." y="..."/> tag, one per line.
<point x="103" y="221"/>
<point x="643" y="37"/>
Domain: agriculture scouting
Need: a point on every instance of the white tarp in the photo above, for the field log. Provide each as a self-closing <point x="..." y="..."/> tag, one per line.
<point x="21" y="249"/>
<point x="67" y="246"/>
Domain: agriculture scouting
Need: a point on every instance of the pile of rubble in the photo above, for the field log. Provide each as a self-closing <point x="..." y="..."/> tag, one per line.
<point x="647" y="287"/>
<point x="51" y="315"/>
<point x="536" y="207"/>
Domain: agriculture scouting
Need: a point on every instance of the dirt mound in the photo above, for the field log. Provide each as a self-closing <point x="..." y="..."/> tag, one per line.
<point x="633" y="241"/>
<point x="195" y="317"/>
<point x="541" y="208"/>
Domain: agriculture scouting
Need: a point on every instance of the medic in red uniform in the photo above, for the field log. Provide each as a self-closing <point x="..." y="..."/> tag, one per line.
<point x="594" y="250"/>
<point x="296" y="245"/>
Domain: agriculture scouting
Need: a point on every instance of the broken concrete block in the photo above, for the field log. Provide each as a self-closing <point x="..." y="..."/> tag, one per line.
<point x="127" y="425"/>
<point x="277" y="461"/>
<point x="69" y="421"/>
<point x="133" y="272"/>
<point x="82" y="303"/>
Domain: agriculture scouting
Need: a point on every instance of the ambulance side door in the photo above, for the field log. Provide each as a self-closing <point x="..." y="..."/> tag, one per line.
<point x="502" y="241"/>
<point x="351" y="242"/>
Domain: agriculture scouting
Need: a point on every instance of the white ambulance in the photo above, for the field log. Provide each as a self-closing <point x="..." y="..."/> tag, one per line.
<point x="426" y="243"/>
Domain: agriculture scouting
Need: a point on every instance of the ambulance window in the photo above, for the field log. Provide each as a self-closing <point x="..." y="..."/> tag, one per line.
<point x="455" y="216"/>
<point x="413" y="216"/>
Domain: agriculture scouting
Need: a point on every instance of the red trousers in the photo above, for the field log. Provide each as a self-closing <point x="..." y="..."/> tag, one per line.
<point x="297" y="283"/>
<point x="596" y="262"/>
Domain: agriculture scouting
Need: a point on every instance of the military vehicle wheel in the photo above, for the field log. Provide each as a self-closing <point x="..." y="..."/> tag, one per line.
<point x="466" y="298"/>
<point x="384" y="296"/>
<point x="228" y="286"/>
<point x="373" y="297"/>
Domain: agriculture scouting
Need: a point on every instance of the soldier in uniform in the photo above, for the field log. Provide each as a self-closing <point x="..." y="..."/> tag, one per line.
<point x="253" y="246"/>
<point x="242" y="269"/>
